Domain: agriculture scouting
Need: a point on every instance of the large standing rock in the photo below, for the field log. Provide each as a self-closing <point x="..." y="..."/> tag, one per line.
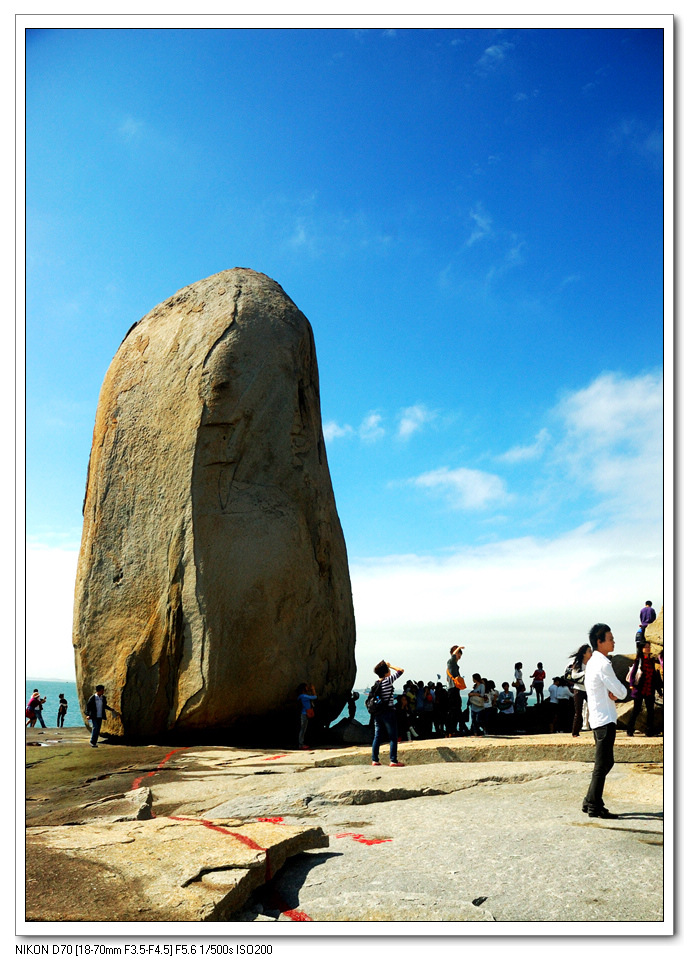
<point x="213" y="573"/>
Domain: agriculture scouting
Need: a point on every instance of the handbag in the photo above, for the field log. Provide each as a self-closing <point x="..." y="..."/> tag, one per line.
<point x="457" y="680"/>
<point x="310" y="712"/>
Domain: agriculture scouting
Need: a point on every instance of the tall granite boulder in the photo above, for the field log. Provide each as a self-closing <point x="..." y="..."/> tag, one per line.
<point x="213" y="574"/>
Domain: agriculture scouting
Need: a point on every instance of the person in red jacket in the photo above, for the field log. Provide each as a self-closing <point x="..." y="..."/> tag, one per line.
<point x="538" y="677"/>
<point x="645" y="681"/>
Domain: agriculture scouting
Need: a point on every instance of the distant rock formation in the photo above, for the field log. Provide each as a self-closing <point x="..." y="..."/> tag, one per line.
<point x="654" y="634"/>
<point x="213" y="574"/>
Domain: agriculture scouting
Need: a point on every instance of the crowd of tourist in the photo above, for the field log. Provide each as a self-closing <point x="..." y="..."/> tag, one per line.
<point x="437" y="709"/>
<point x="459" y="708"/>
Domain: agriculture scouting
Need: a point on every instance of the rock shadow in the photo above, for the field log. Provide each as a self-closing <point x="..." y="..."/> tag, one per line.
<point x="281" y="895"/>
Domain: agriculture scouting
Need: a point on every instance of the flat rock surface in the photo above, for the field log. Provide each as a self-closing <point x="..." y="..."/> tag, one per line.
<point x="163" y="869"/>
<point x="459" y="834"/>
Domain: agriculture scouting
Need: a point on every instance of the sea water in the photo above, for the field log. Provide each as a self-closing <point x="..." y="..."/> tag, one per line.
<point x="51" y="689"/>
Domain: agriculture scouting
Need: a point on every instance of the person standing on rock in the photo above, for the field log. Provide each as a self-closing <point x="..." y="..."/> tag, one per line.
<point x="647" y="616"/>
<point x="538" y="677"/>
<point x="37" y="701"/>
<point x="351" y="705"/>
<point x="603" y="689"/>
<point x="95" y="711"/>
<point x="385" y="718"/>
<point x="61" y="710"/>
<point x="645" y="682"/>
<point x="306" y="694"/>
<point x="579" y="661"/>
<point x="454" y="692"/>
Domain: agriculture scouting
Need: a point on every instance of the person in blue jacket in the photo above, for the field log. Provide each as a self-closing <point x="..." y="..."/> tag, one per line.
<point x="306" y="694"/>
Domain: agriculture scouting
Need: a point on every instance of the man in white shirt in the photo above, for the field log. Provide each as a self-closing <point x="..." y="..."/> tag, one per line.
<point x="603" y="689"/>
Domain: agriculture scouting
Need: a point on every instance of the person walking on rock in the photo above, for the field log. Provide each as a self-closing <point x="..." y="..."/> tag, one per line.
<point x="96" y="711"/>
<point x="603" y="689"/>
<point x="306" y="694"/>
<point x="385" y="717"/>
<point x="645" y="681"/>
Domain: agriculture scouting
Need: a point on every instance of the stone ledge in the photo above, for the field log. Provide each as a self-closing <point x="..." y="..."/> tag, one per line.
<point x="163" y="869"/>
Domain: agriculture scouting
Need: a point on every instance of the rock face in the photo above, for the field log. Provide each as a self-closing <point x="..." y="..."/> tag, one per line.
<point x="213" y="574"/>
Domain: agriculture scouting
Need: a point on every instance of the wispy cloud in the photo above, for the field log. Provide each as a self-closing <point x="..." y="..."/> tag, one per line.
<point x="464" y="488"/>
<point x="526" y="453"/>
<point x="131" y="129"/>
<point x="599" y="76"/>
<point x="413" y="419"/>
<point x="521" y="96"/>
<point x="493" y="56"/>
<point x="637" y="138"/>
<point x="371" y="428"/>
<point x="483" y="224"/>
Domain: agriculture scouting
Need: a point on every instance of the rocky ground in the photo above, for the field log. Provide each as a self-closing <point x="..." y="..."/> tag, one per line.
<point x="472" y="830"/>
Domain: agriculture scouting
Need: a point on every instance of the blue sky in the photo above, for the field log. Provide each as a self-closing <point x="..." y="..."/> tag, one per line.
<point x="471" y="219"/>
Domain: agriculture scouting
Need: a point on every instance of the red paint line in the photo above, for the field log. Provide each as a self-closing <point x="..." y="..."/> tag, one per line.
<point x="274" y="899"/>
<point x="365" y="840"/>
<point x="283" y="907"/>
<point x="278" y="757"/>
<point x="269" y="819"/>
<point x="137" y="783"/>
<point x="242" y="838"/>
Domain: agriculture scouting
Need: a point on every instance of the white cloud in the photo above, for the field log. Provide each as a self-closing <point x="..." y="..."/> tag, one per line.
<point x="50" y="579"/>
<point x="494" y="55"/>
<point x="331" y="430"/>
<point x="464" y="488"/>
<point x="413" y="419"/>
<point x="371" y="428"/>
<point x="613" y="442"/>
<point x="525" y="453"/>
<point x="523" y="599"/>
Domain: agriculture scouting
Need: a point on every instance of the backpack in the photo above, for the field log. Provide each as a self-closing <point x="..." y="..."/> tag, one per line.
<point x="374" y="702"/>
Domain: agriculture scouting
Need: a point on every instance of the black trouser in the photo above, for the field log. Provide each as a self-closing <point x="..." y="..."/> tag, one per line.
<point x="454" y="709"/>
<point x="650" y="713"/>
<point x="604" y="737"/>
<point x="578" y="720"/>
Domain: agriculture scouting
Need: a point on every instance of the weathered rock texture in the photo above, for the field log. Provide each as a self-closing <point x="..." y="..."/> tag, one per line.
<point x="213" y="574"/>
<point x="162" y="869"/>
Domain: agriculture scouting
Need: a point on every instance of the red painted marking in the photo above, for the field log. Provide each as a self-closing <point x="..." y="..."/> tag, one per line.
<point x="270" y="819"/>
<point x="276" y="900"/>
<point x="137" y="783"/>
<point x="278" y="757"/>
<point x="359" y="837"/>
<point x="247" y="841"/>
<point x="283" y="907"/>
